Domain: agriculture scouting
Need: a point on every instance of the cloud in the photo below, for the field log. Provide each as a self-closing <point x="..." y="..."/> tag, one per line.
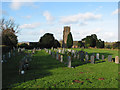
<point x="30" y="26"/>
<point x="116" y="12"/>
<point x="17" y="4"/>
<point x="79" y="17"/>
<point x="48" y="16"/>
<point x="26" y="17"/>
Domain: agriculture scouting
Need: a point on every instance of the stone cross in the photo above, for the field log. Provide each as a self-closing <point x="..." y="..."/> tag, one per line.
<point x="92" y="59"/>
<point x="69" y="61"/>
<point x="116" y="59"/>
<point x="110" y="58"/>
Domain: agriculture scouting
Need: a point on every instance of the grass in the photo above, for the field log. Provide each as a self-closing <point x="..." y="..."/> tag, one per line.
<point x="47" y="72"/>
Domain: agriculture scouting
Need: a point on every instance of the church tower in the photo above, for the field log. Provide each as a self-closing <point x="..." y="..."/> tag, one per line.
<point x="66" y="31"/>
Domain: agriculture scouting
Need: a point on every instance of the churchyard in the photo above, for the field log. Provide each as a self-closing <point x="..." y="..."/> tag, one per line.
<point x="60" y="68"/>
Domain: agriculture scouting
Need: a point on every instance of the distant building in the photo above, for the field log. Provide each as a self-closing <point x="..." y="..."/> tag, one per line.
<point x="66" y="31"/>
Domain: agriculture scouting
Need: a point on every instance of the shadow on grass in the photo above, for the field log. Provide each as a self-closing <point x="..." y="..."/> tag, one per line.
<point x="40" y="67"/>
<point x="75" y="62"/>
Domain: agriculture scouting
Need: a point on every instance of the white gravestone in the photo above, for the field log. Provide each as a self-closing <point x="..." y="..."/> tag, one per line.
<point x="116" y="59"/>
<point x="61" y="58"/>
<point x="97" y="56"/>
<point x="69" y="61"/>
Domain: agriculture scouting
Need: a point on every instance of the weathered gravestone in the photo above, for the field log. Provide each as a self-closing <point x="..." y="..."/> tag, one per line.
<point x="74" y="55"/>
<point x="81" y="56"/>
<point x="57" y="56"/>
<point x="69" y="61"/>
<point x="86" y="58"/>
<point x="9" y="54"/>
<point x="97" y="56"/>
<point x="61" y="58"/>
<point x="102" y="57"/>
<point x="92" y="59"/>
<point x="116" y="59"/>
<point x="78" y="56"/>
<point x="109" y="58"/>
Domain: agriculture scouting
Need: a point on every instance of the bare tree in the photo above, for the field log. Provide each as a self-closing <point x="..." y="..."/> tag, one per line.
<point x="9" y="25"/>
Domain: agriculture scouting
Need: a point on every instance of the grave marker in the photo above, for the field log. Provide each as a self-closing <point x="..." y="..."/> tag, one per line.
<point x="116" y="59"/>
<point x="110" y="58"/>
<point x="92" y="59"/>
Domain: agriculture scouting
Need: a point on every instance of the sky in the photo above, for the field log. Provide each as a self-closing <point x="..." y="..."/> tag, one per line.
<point x="84" y="18"/>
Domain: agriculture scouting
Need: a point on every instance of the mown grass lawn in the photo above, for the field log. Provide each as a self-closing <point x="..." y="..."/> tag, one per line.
<point x="47" y="72"/>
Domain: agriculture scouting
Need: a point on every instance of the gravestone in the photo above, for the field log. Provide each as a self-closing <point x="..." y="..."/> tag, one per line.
<point x="69" y="61"/>
<point x="92" y="59"/>
<point x="9" y="55"/>
<point x="74" y="55"/>
<point x="78" y="56"/>
<point x="86" y="58"/>
<point x="109" y="58"/>
<point x="57" y="56"/>
<point x="102" y="57"/>
<point x="81" y="56"/>
<point x="61" y="58"/>
<point x="116" y="59"/>
<point x="97" y="56"/>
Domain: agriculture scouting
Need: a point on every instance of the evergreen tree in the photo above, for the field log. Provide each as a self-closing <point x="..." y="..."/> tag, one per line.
<point x="69" y="40"/>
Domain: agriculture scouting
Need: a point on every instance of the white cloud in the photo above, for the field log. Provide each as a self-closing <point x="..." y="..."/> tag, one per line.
<point x="79" y="17"/>
<point x="17" y="4"/>
<point x="116" y="12"/>
<point x="26" y="17"/>
<point x="30" y="26"/>
<point x="48" y="16"/>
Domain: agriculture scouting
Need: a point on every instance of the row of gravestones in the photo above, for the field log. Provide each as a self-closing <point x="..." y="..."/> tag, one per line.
<point x="24" y="63"/>
<point x="5" y="57"/>
<point x="79" y="55"/>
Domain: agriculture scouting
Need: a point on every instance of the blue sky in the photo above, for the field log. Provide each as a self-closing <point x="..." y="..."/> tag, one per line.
<point x="85" y="18"/>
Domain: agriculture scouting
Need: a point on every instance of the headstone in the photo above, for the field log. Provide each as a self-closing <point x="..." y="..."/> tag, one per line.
<point x="86" y="58"/>
<point x="102" y="57"/>
<point x="81" y="56"/>
<point x="9" y="55"/>
<point x="57" y="56"/>
<point x="97" y="56"/>
<point x="116" y="59"/>
<point x="74" y="55"/>
<point x="109" y="58"/>
<point x="78" y="56"/>
<point x="61" y="58"/>
<point x="69" y="61"/>
<point x="92" y="59"/>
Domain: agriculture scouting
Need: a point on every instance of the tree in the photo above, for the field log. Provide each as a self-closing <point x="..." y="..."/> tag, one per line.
<point x="24" y="45"/>
<point x="69" y="40"/>
<point x="9" y="30"/>
<point x="47" y="40"/>
<point x="56" y="44"/>
<point x="80" y="44"/>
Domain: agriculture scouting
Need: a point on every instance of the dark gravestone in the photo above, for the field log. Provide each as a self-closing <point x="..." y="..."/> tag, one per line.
<point x="109" y="58"/>
<point x="92" y="59"/>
